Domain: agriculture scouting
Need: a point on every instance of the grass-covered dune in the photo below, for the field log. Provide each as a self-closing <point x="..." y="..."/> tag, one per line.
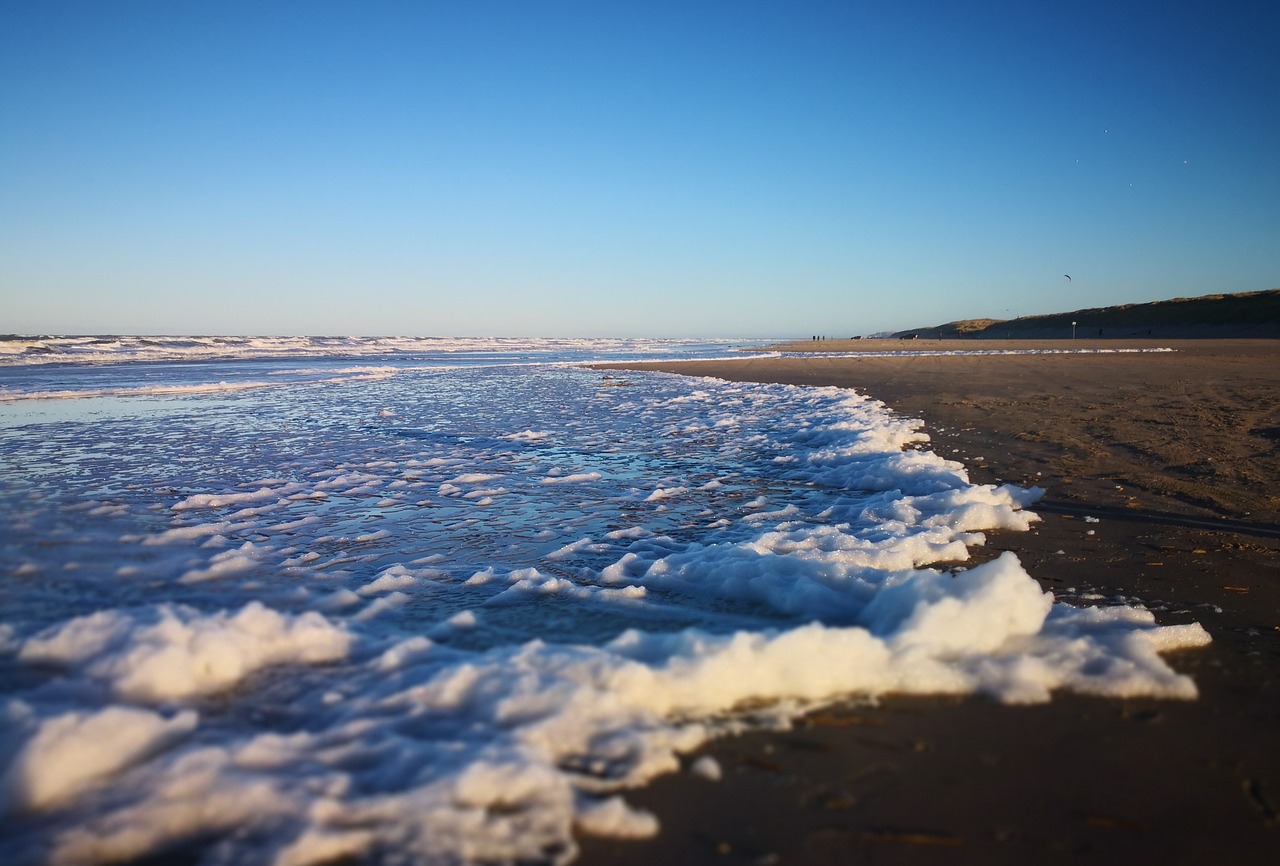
<point x="1246" y="314"/>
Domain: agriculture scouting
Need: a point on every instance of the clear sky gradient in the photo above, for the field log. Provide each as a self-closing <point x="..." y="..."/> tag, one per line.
<point x="610" y="169"/>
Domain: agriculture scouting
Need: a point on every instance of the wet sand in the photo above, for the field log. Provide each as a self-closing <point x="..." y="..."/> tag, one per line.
<point x="1177" y="458"/>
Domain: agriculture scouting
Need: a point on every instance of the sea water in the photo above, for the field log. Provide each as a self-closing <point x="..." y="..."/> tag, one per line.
<point x="293" y="600"/>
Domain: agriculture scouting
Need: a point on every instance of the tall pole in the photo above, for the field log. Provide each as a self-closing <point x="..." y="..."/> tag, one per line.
<point x="1073" y="330"/>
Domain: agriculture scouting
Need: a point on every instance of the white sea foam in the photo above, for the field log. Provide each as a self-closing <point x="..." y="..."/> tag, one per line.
<point x="345" y="673"/>
<point x="128" y="349"/>
<point x="572" y="478"/>
<point x="538" y="736"/>
<point x="68" y="753"/>
<point x="186" y="390"/>
<point x="171" y="653"/>
<point x="224" y="564"/>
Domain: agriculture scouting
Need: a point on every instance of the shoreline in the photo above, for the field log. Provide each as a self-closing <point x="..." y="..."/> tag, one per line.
<point x="1174" y="458"/>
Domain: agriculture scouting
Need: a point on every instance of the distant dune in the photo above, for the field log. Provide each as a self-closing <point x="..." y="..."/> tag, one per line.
<point x="1247" y="314"/>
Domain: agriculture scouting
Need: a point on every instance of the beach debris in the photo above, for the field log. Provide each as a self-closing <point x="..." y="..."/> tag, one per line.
<point x="708" y="768"/>
<point x="834" y="798"/>
<point x="1240" y="589"/>
<point x="1148" y="716"/>
<point x="911" y="837"/>
<point x="764" y="764"/>
<point x="841" y="720"/>
<point x="1258" y="797"/>
<point x="1112" y="823"/>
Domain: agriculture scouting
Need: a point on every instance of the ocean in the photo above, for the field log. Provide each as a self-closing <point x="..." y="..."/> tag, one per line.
<point x="294" y="600"/>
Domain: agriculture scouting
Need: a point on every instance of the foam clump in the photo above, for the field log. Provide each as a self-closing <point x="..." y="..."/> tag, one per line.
<point x="431" y="752"/>
<point x="974" y="611"/>
<point x="173" y="652"/>
<point x="72" y="751"/>
<point x="222" y="500"/>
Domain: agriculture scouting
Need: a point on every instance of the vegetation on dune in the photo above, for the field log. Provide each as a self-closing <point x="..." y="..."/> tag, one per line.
<point x="1242" y="314"/>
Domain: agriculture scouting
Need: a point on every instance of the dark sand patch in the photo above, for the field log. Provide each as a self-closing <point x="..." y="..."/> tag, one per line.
<point x="1176" y="456"/>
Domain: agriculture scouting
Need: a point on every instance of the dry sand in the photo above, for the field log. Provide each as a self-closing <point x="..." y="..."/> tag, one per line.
<point x="1177" y="455"/>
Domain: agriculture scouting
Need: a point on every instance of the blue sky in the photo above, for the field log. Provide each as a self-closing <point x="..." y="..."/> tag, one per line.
<point x="597" y="168"/>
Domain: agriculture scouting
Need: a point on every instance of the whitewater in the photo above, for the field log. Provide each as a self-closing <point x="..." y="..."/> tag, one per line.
<point x="293" y="600"/>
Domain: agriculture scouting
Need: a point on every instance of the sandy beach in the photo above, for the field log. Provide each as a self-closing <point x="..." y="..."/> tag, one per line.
<point x="1161" y="473"/>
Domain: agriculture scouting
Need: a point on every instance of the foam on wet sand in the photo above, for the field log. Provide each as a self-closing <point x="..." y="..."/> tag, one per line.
<point x="662" y="564"/>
